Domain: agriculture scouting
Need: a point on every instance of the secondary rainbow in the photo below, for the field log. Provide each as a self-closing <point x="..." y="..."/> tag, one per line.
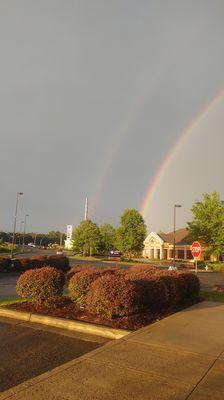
<point x="155" y="182"/>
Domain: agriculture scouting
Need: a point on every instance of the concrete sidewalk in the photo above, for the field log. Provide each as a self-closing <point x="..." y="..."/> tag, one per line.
<point x="180" y="357"/>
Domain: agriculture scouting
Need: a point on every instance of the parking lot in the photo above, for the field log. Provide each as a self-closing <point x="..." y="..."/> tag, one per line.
<point x="28" y="350"/>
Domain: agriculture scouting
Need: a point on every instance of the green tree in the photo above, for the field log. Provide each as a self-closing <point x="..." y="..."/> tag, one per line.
<point x="86" y="238"/>
<point x="131" y="233"/>
<point x="207" y="225"/>
<point x="108" y="237"/>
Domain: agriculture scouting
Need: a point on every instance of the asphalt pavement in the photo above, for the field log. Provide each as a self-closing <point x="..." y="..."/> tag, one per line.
<point x="180" y="357"/>
<point x="28" y="350"/>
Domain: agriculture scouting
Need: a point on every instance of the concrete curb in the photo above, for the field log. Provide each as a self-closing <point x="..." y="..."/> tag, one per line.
<point x="62" y="323"/>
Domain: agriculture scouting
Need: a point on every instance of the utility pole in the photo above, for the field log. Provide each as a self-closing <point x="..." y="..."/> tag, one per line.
<point x="15" y="218"/>
<point x="24" y="230"/>
<point x="60" y="239"/>
<point x="174" y="232"/>
<point x="86" y="209"/>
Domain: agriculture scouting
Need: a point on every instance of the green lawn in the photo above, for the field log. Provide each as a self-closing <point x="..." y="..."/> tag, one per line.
<point x="212" y="296"/>
<point x="10" y="300"/>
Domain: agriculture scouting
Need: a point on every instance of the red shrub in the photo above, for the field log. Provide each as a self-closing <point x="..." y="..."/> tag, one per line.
<point x="176" y="286"/>
<point x="155" y="295"/>
<point x="72" y="272"/>
<point x="59" y="261"/>
<point x="40" y="284"/>
<point x="192" y="284"/>
<point x="80" y="283"/>
<point x="23" y="263"/>
<point x="114" y="296"/>
<point x="5" y="264"/>
<point x="38" y="261"/>
<point x="143" y="268"/>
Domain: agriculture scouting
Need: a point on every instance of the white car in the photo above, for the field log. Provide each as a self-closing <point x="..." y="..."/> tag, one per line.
<point x="59" y="252"/>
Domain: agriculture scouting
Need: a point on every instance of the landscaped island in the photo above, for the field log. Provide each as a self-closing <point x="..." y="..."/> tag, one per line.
<point x="115" y="297"/>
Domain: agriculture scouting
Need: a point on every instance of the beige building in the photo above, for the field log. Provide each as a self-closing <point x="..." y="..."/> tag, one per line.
<point x="160" y="246"/>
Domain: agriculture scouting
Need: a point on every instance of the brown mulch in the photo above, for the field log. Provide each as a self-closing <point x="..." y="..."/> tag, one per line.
<point x="66" y="308"/>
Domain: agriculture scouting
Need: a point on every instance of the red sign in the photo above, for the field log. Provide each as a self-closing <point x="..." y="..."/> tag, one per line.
<point x="196" y="249"/>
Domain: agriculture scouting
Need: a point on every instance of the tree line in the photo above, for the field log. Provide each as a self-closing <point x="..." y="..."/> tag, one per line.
<point x="89" y="238"/>
<point x="207" y="226"/>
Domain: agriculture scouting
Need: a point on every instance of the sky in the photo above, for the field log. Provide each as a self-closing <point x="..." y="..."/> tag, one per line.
<point x="95" y="95"/>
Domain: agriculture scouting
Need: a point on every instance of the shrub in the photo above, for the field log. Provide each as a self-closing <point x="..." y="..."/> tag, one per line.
<point x="143" y="268"/>
<point x="192" y="284"/>
<point x="5" y="264"/>
<point x="22" y="263"/>
<point x="40" y="285"/>
<point x="113" y="296"/>
<point x="175" y="284"/>
<point x="154" y="291"/>
<point x="60" y="262"/>
<point x="72" y="272"/>
<point x="38" y="261"/>
<point x="80" y="283"/>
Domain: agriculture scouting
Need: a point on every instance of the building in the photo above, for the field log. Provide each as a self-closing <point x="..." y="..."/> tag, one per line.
<point x="160" y="246"/>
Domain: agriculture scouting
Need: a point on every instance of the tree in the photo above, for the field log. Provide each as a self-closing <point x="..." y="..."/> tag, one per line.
<point x="208" y="223"/>
<point x="108" y="237"/>
<point x="86" y="238"/>
<point x="131" y="233"/>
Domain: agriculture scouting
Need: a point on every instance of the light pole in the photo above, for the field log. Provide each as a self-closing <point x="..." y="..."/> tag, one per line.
<point x="174" y="231"/>
<point x="20" y="231"/>
<point x="24" y="230"/>
<point x="15" y="217"/>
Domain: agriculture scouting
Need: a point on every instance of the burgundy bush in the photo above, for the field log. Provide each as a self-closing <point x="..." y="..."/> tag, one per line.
<point x="80" y="283"/>
<point x="176" y="286"/>
<point x="58" y="261"/>
<point x="23" y="263"/>
<point x="143" y="268"/>
<point x="192" y="284"/>
<point x="154" y="291"/>
<point x="113" y="296"/>
<point x="5" y="264"/>
<point x="40" y="285"/>
<point x="72" y="272"/>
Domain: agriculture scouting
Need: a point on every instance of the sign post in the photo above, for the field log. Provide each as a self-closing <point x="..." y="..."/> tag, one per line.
<point x="196" y="252"/>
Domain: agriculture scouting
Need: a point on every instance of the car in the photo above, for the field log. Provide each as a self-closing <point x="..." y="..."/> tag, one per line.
<point x="31" y="245"/>
<point x="59" y="252"/>
<point x="114" y="253"/>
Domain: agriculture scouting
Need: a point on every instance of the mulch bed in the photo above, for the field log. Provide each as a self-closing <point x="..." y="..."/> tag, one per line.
<point x="66" y="308"/>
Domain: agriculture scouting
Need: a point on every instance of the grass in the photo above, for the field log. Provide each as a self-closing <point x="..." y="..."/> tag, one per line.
<point x="10" y="300"/>
<point x="212" y="296"/>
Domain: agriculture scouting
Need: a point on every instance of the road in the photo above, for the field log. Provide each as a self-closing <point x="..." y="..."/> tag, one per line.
<point x="28" y="350"/>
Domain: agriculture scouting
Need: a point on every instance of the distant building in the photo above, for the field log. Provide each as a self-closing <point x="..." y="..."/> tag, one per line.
<point x="160" y="246"/>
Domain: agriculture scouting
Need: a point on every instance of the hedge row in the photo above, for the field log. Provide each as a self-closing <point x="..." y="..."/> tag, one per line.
<point x="21" y="264"/>
<point x="113" y="292"/>
<point x="117" y="292"/>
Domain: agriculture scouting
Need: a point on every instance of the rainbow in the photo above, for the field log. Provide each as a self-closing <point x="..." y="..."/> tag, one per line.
<point x="170" y="156"/>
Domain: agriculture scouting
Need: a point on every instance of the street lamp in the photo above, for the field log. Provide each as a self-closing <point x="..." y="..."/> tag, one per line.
<point x="24" y="230"/>
<point x="174" y="231"/>
<point x="15" y="217"/>
<point x="20" y="231"/>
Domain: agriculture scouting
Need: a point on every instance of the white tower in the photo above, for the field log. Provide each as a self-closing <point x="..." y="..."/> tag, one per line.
<point x="86" y="209"/>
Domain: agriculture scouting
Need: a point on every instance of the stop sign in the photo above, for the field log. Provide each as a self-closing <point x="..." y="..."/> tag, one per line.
<point x="196" y="249"/>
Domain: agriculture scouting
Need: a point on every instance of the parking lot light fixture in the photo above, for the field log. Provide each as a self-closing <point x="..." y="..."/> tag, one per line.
<point x="174" y="232"/>
<point x="15" y="218"/>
